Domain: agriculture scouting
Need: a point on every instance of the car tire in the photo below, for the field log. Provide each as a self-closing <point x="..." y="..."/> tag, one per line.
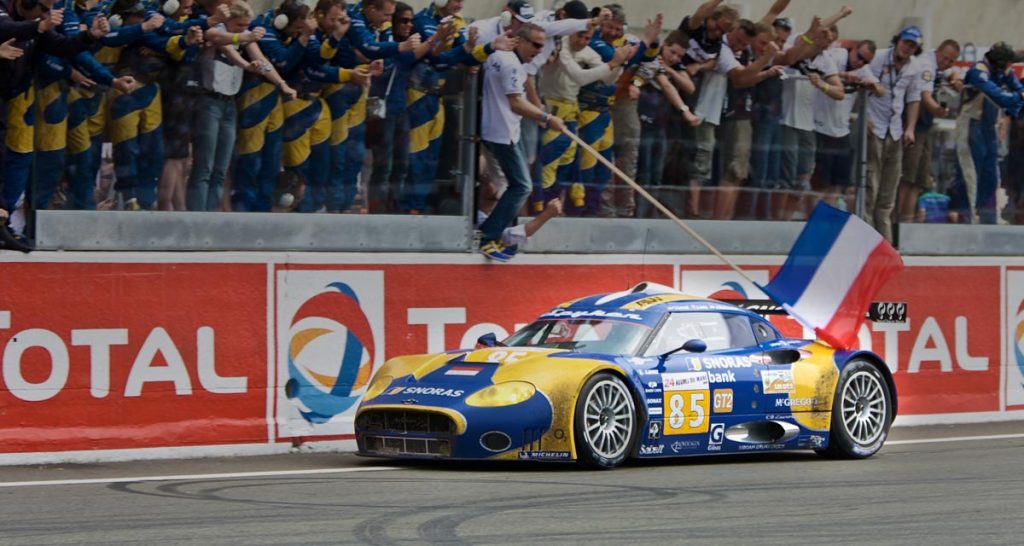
<point x="605" y="422"/>
<point x="861" y="413"/>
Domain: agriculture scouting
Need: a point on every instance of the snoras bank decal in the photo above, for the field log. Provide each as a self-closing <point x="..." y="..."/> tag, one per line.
<point x="330" y="329"/>
<point x="1015" y="319"/>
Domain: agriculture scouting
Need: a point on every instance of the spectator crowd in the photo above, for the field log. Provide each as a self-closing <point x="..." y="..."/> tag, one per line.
<point x="335" y="107"/>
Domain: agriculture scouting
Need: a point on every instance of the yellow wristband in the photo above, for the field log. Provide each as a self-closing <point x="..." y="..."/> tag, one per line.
<point x="826" y="88"/>
<point x="234" y="38"/>
<point x="806" y="40"/>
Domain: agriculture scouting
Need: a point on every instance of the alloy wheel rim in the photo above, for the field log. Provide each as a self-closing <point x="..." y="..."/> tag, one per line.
<point x="863" y="407"/>
<point x="608" y="419"/>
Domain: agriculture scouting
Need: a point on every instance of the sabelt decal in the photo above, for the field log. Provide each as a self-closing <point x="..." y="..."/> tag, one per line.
<point x="120" y="356"/>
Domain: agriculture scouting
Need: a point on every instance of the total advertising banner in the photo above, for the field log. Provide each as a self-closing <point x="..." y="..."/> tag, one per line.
<point x="119" y="356"/>
<point x="106" y="355"/>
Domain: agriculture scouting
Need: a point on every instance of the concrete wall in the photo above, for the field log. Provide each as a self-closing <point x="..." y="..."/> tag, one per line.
<point x="981" y="22"/>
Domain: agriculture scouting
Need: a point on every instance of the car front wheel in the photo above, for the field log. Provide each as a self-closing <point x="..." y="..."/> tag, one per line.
<point x="605" y="422"/>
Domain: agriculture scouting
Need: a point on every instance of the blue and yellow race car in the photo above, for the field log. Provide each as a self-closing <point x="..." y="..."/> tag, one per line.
<point x="643" y="373"/>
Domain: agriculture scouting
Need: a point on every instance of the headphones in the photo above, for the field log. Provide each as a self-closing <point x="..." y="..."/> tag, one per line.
<point x="170" y="7"/>
<point x="115" y="20"/>
<point x="506" y="19"/>
<point x="440" y="3"/>
<point x="282" y="20"/>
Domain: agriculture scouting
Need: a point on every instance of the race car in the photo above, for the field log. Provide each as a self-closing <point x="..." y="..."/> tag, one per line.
<point x="644" y="373"/>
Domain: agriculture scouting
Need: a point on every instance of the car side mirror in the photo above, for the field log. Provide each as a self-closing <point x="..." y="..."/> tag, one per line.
<point x="695" y="346"/>
<point x="691" y="346"/>
<point x="487" y="340"/>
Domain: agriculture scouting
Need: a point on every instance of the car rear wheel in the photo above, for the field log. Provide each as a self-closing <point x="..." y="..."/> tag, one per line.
<point x="861" y="413"/>
<point x="605" y="422"/>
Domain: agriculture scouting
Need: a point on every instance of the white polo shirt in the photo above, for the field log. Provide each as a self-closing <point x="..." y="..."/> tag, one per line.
<point x="504" y="75"/>
<point x="799" y="94"/>
<point x="886" y="112"/>
<point x="714" y="86"/>
<point x="832" y="117"/>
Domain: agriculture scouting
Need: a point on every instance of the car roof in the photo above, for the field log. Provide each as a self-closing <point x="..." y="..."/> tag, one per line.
<point x="644" y="303"/>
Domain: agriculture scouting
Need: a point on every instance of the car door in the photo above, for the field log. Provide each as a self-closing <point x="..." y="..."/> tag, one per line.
<point x="703" y="393"/>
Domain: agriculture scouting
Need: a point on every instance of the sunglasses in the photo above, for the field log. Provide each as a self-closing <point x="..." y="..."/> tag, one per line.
<point x="405" y="20"/>
<point x="538" y="45"/>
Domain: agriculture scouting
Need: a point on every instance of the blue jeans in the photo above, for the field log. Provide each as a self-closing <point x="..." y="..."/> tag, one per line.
<point x="212" y="146"/>
<point x="512" y="161"/>
<point x="389" y="140"/>
<point x="765" y="166"/>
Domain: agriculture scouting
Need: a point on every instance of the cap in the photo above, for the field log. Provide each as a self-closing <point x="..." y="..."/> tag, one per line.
<point x="521" y="9"/>
<point x="913" y="34"/>
<point x="574" y="9"/>
<point x="783" y="22"/>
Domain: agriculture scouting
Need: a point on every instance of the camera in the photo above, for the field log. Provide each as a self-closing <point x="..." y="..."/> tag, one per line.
<point x="376" y="108"/>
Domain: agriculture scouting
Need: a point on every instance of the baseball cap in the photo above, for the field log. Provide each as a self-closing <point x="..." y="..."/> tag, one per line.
<point x="521" y="9"/>
<point x="783" y="22"/>
<point x="913" y="34"/>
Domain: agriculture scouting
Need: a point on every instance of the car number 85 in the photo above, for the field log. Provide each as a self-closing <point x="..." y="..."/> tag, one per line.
<point x="686" y="412"/>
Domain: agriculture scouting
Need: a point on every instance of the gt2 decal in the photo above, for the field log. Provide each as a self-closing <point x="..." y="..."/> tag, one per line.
<point x="723" y="400"/>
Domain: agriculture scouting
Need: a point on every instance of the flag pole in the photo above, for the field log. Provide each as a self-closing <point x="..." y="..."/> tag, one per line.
<point x="657" y="204"/>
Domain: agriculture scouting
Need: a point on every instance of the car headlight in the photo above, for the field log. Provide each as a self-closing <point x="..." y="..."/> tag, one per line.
<point x="502" y="394"/>
<point x="377" y="386"/>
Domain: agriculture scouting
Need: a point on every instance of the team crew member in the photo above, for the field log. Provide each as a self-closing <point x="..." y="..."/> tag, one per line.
<point x="260" y="115"/>
<point x="387" y="129"/>
<point x="136" y="118"/>
<point x="16" y="89"/>
<point x="992" y="87"/>
<point x="917" y="160"/>
<point x="307" y="119"/>
<point x="560" y="84"/>
<point x="52" y="75"/>
<point x="832" y="119"/>
<point x="87" y="104"/>
<point x="426" y="110"/>
<point x="504" y="106"/>
<point x="896" y="70"/>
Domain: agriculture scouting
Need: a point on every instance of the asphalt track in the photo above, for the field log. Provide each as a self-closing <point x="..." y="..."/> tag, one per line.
<point x="930" y="485"/>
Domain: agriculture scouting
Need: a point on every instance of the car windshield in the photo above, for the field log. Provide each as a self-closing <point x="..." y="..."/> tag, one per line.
<point x="595" y="336"/>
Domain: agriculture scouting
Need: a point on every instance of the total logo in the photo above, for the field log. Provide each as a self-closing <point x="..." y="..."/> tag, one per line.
<point x="1018" y="346"/>
<point x="330" y="346"/>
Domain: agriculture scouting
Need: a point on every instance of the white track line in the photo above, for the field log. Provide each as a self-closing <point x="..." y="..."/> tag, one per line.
<point x="226" y="475"/>
<point x="954" y="439"/>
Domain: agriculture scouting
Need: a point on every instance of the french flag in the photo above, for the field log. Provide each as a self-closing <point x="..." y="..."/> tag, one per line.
<point x="832" y="274"/>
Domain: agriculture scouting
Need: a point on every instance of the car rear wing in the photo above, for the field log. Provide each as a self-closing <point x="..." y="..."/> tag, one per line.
<point x="880" y="311"/>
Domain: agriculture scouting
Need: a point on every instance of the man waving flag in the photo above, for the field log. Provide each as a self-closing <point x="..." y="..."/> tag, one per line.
<point x="835" y="268"/>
